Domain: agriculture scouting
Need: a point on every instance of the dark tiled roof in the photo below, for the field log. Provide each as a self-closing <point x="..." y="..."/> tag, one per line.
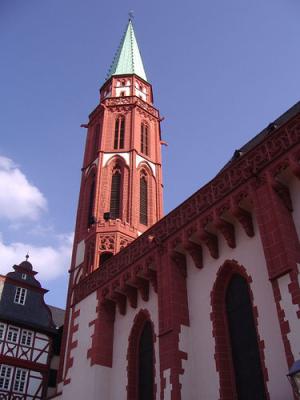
<point x="264" y="133"/>
<point x="58" y="315"/>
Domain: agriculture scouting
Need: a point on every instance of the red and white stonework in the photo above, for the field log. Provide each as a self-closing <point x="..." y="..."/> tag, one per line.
<point x="219" y="272"/>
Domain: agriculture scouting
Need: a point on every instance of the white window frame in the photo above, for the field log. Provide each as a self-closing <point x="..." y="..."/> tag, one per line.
<point x="14" y="336"/>
<point x="24" y="276"/>
<point x="5" y="376"/>
<point x="20" y="380"/>
<point x="20" y="295"/>
<point x="26" y="338"/>
<point x="2" y="330"/>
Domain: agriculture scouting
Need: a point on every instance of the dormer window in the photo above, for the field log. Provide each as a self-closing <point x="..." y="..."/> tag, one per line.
<point x="20" y="296"/>
<point x="24" y="276"/>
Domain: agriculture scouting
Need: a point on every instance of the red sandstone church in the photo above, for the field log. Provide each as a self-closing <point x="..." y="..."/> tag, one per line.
<point x="202" y="303"/>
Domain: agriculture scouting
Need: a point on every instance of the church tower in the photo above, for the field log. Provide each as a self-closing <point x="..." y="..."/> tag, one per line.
<point x="121" y="184"/>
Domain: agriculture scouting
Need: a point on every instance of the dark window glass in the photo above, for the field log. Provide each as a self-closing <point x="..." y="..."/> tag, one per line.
<point x="245" y="353"/>
<point x="91" y="204"/>
<point x="145" y="377"/>
<point x="122" y="130"/>
<point x="105" y="256"/>
<point x="52" y="377"/>
<point x="115" y="196"/>
<point x="116" y="141"/>
<point x="143" y="201"/>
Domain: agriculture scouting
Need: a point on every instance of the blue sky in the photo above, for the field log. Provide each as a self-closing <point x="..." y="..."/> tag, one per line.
<point x="221" y="72"/>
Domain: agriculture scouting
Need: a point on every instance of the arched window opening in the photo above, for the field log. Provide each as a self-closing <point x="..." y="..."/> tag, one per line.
<point x="91" y="218"/>
<point x="115" y="194"/>
<point x="104" y="257"/>
<point x="119" y="132"/>
<point x="143" y="200"/>
<point x="144" y="139"/>
<point x="145" y="367"/>
<point x="244" y="344"/>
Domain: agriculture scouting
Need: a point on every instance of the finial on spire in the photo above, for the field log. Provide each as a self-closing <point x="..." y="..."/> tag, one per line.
<point x="131" y="15"/>
<point x="27" y="256"/>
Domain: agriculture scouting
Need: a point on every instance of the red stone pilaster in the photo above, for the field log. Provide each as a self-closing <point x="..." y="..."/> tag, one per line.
<point x="101" y="351"/>
<point x="173" y="312"/>
<point x="280" y="244"/>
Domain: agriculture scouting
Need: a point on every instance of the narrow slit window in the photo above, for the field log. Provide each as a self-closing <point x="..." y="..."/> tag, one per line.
<point x="115" y="195"/>
<point x="119" y="133"/>
<point x="143" y="201"/>
<point x="91" y="204"/>
<point x="144" y="139"/>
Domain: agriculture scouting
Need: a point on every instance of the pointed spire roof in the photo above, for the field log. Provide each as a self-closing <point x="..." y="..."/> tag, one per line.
<point x="128" y="58"/>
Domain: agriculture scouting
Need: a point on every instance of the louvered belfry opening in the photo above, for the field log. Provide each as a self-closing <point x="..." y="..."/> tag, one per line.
<point x="144" y="139"/>
<point x="119" y="133"/>
<point x="143" y="200"/>
<point x="145" y="370"/>
<point x="90" y="220"/>
<point x="115" y="196"/>
<point x="244" y="342"/>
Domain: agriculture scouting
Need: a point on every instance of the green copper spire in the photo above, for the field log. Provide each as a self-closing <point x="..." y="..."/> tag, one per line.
<point x="128" y="58"/>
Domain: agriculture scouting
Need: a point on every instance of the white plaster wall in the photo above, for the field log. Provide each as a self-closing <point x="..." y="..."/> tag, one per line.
<point x="90" y="383"/>
<point x="294" y="187"/>
<point x="108" y="156"/>
<point x="201" y="379"/>
<point x="140" y="159"/>
<point x="34" y="383"/>
<point x="122" y="329"/>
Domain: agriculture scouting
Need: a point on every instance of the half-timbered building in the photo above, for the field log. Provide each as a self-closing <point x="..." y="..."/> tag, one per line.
<point x="27" y="336"/>
<point x="202" y="303"/>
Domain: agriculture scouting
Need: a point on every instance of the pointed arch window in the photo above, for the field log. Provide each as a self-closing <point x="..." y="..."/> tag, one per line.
<point x="143" y="199"/>
<point x="115" y="194"/>
<point x="144" y="139"/>
<point x="243" y="339"/>
<point x="91" y="218"/>
<point x="119" y="133"/>
<point x="145" y="371"/>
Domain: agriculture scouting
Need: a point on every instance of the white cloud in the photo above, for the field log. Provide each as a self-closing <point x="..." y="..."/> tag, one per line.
<point x="49" y="261"/>
<point x="19" y="199"/>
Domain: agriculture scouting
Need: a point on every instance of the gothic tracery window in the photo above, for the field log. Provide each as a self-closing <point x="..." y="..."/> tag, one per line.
<point x="119" y="133"/>
<point x="144" y="139"/>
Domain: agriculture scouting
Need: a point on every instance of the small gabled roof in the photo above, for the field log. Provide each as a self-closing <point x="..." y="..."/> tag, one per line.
<point x="128" y="58"/>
